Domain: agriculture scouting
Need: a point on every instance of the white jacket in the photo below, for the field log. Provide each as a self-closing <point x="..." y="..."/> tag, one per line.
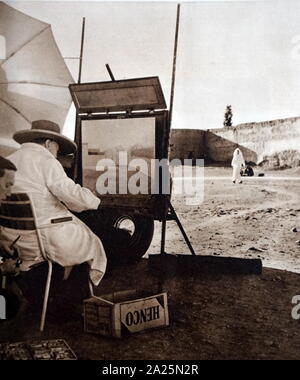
<point x="52" y="192"/>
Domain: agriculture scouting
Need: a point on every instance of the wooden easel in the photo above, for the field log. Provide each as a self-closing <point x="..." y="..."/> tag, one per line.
<point x="172" y="216"/>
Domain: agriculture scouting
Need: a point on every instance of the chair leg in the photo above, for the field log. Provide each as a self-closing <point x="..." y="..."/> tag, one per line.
<point x="91" y="288"/>
<point x="3" y="285"/>
<point x="46" y="296"/>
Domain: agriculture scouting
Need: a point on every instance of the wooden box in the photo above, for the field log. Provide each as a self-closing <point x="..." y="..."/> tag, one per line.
<point x="114" y="117"/>
<point x="126" y="312"/>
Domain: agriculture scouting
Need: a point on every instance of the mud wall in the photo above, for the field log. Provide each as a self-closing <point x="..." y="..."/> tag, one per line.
<point x="187" y="142"/>
<point x="257" y="140"/>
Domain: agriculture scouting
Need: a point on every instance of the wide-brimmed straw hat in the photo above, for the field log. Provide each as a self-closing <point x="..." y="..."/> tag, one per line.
<point x="46" y="129"/>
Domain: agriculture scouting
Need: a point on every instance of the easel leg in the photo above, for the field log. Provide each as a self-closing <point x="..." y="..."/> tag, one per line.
<point x="163" y="237"/>
<point x="174" y="215"/>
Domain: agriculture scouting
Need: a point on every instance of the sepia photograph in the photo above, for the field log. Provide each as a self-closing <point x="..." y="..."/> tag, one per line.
<point x="149" y="183"/>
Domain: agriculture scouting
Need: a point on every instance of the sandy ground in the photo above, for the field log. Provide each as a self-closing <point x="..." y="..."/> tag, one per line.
<point x="252" y="220"/>
<point x="211" y="316"/>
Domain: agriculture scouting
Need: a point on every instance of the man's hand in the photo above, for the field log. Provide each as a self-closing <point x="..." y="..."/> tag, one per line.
<point x="5" y="247"/>
<point x="10" y="266"/>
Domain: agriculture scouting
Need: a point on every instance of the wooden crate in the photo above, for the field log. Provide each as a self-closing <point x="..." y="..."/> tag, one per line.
<point x="126" y="312"/>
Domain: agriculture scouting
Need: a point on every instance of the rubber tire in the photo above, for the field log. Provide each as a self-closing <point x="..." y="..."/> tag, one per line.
<point x="133" y="247"/>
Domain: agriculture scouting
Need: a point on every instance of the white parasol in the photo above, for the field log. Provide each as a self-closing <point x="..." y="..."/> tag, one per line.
<point x="34" y="78"/>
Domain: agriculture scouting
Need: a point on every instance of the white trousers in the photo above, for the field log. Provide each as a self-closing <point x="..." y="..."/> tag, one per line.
<point x="236" y="176"/>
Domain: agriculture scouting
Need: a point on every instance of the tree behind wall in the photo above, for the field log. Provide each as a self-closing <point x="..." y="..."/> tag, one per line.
<point x="228" y="117"/>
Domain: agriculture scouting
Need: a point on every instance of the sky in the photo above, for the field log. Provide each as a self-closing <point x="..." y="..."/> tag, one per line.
<point x="119" y="133"/>
<point x="240" y="53"/>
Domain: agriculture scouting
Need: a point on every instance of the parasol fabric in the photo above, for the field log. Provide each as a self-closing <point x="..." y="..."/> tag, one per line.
<point x="34" y="78"/>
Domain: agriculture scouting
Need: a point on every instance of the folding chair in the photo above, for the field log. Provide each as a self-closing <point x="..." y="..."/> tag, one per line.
<point x="17" y="212"/>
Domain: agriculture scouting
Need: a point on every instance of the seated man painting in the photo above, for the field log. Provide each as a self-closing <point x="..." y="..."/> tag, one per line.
<point x="67" y="240"/>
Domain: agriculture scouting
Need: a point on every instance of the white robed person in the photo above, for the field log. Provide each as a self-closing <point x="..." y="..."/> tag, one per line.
<point x="67" y="240"/>
<point x="237" y="163"/>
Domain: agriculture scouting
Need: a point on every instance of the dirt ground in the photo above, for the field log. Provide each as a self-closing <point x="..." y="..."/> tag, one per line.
<point x="254" y="219"/>
<point x="211" y="316"/>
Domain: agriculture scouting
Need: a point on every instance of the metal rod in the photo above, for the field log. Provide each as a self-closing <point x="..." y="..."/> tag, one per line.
<point x="26" y="43"/>
<point x="81" y="49"/>
<point x="46" y="296"/>
<point x="78" y="155"/>
<point x="163" y="237"/>
<point x="15" y="109"/>
<point x="181" y="229"/>
<point x="174" y="65"/>
<point x="110" y="72"/>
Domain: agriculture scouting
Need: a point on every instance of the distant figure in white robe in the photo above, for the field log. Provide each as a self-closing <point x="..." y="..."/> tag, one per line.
<point x="237" y="163"/>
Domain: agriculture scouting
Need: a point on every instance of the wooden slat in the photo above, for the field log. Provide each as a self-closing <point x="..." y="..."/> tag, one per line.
<point x="15" y="202"/>
<point x="18" y="197"/>
<point x="27" y="225"/>
<point x="16" y="212"/>
<point x="16" y="219"/>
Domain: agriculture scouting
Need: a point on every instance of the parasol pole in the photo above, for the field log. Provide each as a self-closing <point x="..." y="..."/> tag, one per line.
<point x="174" y="66"/>
<point x="78" y="155"/>
<point x="81" y="49"/>
<point x="164" y="221"/>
